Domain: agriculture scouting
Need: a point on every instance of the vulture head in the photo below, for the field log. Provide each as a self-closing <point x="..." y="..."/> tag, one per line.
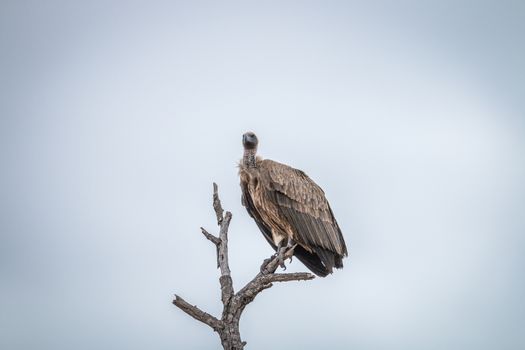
<point x="249" y="141"/>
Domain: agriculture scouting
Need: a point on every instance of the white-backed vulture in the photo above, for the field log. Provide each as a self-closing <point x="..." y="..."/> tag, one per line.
<point x="290" y="210"/>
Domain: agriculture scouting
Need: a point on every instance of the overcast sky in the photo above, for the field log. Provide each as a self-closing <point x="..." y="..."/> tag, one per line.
<point x="117" y="117"/>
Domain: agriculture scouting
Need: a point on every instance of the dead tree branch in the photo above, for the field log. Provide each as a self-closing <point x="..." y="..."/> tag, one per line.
<point x="234" y="303"/>
<point x="197" y="313"/>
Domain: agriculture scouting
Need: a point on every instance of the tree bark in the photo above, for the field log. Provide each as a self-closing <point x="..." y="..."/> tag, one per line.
<point x="234" y="303"/>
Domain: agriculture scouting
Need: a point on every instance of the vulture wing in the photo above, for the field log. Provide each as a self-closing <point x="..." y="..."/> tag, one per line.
<point x="302" y="203"/>
<point x="309" y="259"/>
<point x="250" y="207"/>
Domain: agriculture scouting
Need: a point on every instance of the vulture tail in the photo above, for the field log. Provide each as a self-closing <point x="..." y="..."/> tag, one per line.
<point x="321" y="262"/>
<point x="327" y="257"/>
<point x="311" y="261"/>
<point x="338" y="262"/>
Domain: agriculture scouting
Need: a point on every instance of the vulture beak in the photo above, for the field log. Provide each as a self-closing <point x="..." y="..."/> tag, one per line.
<point x="249" y="140"/>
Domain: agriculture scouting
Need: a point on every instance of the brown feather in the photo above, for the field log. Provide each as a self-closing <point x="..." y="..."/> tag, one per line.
<point x="286" y="203"/>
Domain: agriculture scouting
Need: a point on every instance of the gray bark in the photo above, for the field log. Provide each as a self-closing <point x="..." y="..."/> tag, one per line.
<point x="234" y="303"/>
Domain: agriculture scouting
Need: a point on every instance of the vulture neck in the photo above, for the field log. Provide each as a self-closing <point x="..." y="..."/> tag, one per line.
<point x="249" y="158"/>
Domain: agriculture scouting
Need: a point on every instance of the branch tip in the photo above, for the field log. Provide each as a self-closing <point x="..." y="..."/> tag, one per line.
<point x="217" y="206"/>
<point x="212" y="238"/>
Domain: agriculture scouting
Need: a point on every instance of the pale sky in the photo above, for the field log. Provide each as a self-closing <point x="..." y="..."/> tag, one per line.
<point x="116" y="117"/>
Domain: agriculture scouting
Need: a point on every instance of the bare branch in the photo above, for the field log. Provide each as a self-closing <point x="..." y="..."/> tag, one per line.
<point x="223" y="221"/>
<point x="223" y="246"/>
<point x="197" y="313"/>
<point x="210" y="237"/>
<point x="217" y="206"/>
<point x="225" y="280"/>
<point x="285" y="277"/>
<point x="264" y="279"/>
<point x="214" y="240"/>
<point x="234" y="304"/>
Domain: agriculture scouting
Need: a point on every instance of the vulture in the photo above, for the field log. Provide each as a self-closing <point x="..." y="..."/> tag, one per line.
<point x="291" y="211"/>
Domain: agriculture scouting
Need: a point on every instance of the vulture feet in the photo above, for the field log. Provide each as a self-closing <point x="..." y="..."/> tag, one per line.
<point x="280" y="257"/>
<point x="284" y="253"/>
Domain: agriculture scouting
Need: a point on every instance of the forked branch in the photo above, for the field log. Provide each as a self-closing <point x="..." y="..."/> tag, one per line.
<point x="234" y="303"/>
